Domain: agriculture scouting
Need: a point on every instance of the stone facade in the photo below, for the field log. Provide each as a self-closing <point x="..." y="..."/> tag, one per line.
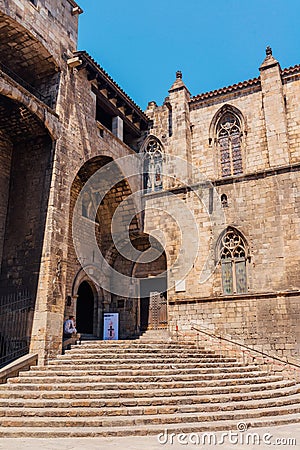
<point x="62" y="118"/>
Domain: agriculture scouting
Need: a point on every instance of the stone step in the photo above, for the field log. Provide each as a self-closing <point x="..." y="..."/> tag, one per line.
<point x="149" y="429"/>
<point x="140" y="386"/>
<point x="36" y="391"/>
<point x="138" y="344"/>
<point x="69" y="365"/>
<point x="150" y="349"/>
<point x="144" y="355"/>
<point x="54" y="384"/>
<point x="117" y="411"/>
<point x="149" y="419"/>
<point x="88" y="359"/>
<point x="168" y="399"/>
<point x="117" y="379"/>
<point x="171" y="370"/>
<point x="140" y="363"/>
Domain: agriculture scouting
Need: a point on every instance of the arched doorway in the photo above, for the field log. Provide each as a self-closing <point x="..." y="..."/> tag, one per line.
<point x="85" y="309"/>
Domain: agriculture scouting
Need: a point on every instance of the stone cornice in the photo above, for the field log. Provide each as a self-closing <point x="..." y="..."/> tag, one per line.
<point x="234" y="297"/>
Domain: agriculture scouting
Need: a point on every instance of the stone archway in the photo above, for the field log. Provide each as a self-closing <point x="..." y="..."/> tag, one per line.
<point x="26" y="153"/>
<point x="147" y="308"/>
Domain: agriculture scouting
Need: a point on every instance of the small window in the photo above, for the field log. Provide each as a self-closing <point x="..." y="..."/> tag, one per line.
<point x="224" y="201"/>
<point x="233" y="261"/>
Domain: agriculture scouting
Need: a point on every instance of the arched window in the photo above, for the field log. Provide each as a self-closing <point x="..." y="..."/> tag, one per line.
<point x="153" y="159"/>
<point x="229" y="139"/>
<point x="233" y="256"/>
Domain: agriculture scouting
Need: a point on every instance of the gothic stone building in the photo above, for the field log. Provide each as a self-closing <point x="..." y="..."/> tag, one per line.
<point x="218" y="197"/>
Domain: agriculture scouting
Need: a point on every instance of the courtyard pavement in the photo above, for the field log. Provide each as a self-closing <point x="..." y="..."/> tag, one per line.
<point x="273" y="437"/>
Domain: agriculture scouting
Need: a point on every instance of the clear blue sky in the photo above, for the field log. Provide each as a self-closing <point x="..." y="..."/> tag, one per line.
<point x="214" y="43"/>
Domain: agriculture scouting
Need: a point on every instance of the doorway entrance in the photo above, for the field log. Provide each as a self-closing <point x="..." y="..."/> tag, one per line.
<point x="85" y="309"/>
<point x="153" y="304"/>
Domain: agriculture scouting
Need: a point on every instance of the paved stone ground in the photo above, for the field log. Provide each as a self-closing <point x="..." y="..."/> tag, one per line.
<point x="284" y="433"/>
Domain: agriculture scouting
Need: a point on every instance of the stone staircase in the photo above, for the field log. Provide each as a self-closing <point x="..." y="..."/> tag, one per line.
<point x="143" y="387"/>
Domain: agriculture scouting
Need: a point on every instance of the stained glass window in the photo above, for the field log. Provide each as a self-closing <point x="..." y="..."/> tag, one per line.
<point x="229" y="139"/>
<point x="153" y="159"/>
<point x="233" y="260"/>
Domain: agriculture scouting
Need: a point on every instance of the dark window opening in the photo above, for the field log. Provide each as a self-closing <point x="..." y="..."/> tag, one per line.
<point x="121" y="304"/>
<point x="224" y="201"/>
<point x="104" y="117"/>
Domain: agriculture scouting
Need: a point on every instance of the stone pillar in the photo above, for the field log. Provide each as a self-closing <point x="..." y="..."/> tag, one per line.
<point x="274" y="110"/>
<point x="117" y="127"/>
<point x="180" y="140"/>
<point x="46" y="336"/>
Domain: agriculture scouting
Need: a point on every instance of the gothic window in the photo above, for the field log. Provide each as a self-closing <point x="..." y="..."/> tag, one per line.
<point x="233" y="261"/>
<point x="229" y="138"/>
<point x="153" y="158"/>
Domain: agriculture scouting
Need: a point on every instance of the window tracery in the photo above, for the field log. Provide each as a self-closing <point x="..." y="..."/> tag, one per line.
<point x="153" y="160"/>
<point x="229" y="138"/>
<point x="233" y="257"/>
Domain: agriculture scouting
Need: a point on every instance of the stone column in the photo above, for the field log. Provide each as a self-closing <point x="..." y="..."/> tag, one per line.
<point x="180" y="140"/>
<point x="117" y="127"/>
<point x="46" y="336"/>
<point x="274" y="111"/>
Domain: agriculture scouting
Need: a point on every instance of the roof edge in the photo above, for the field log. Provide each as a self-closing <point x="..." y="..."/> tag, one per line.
<point x="75" y="5"/>
<point x="83" y="54"/>
<point x="242" y="85"/>
<point x="224" y="90"/>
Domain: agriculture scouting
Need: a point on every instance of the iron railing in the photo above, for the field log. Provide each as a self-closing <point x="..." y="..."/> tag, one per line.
<point x="16" y="312"/>
<point x="26" y="85"/>
<point x="247" y="348"/>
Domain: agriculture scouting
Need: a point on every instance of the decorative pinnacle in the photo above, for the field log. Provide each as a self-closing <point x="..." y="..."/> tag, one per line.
<point x="179" y="74"/>
<point x="268" y="51"/>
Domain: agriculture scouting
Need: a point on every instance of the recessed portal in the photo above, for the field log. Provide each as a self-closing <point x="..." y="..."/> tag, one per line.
<point x="85" y="309"/>
<point x="153" y="304"/>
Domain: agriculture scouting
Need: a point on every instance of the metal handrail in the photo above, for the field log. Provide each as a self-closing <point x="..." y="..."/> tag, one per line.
<point x="25" y="84"/>
<point x="246" y="347"/>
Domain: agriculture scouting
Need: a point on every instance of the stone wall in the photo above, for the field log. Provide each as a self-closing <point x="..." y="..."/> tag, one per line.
<point x="262" y="203"/>
<point x="51" y="22"/>
<point x="5" y="163"/>
<point x="269" y="323"/>
<point x="28" y="198"/>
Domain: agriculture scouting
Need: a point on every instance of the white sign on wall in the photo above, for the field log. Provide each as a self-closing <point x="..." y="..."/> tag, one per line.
<point x="180" y="286"/>
<point x="111" y="327"/>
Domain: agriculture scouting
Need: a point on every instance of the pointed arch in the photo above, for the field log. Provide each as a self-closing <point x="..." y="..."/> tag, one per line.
<point x="227" y="131"/>
<point x="233" y="254"/>
<point x="153" y="155"/>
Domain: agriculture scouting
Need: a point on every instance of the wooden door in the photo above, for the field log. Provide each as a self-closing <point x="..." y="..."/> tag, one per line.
<point x="157" y="311"/>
